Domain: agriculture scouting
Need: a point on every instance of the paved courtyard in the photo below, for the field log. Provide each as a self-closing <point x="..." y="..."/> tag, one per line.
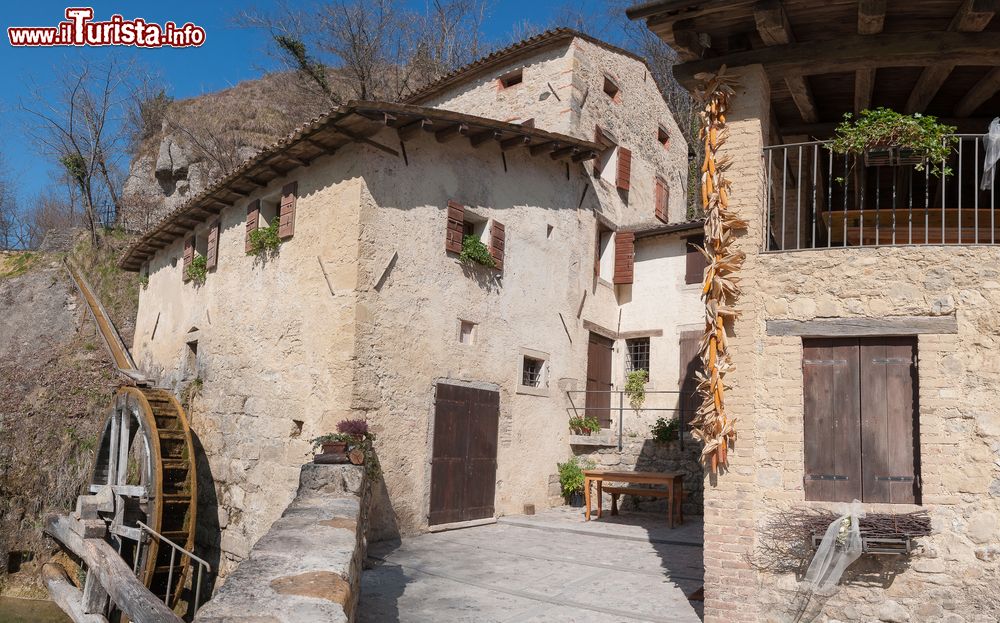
<point x="551" y="567"/>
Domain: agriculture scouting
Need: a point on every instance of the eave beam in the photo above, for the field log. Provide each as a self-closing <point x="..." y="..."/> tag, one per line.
<point x="978" y="94"/>
<point x="871" y="20"/>
<point x="774" y="30"/>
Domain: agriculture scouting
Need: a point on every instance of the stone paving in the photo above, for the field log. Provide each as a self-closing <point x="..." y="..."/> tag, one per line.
<point x="551" y="567"/>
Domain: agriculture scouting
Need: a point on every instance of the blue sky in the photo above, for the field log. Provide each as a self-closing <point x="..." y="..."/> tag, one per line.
<point x="229" y="55"/>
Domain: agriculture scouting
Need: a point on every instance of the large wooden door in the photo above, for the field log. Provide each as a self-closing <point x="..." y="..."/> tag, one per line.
<point x="464" y="458"/>
<point x="861" y="425"/>
<point x="598" y="403"/>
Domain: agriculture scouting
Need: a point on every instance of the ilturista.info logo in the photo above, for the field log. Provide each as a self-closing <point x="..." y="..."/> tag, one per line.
<point x="80" y="29"/>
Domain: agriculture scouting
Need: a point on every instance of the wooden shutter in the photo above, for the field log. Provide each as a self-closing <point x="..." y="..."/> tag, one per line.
<point x="690" y="363"/>
<point x="888" y="420"/>
<point x="286" y="211"/>
<point x="456" y="227"/>
<point x="831" y="420"/>
<point x="212" y="255"/>
<point x="188" y="256"/>
<point x="497" y="236"/>
<point x="253" y="217"/>
<point x="695" y="262"/>
<point x="624" y="257"/>
<point x="662" y="200"/>
<point x="624" y="168"/>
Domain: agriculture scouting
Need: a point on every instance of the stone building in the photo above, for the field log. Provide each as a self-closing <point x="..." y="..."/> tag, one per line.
<point x="560" y="158"/>
<point x="865" y="351"/>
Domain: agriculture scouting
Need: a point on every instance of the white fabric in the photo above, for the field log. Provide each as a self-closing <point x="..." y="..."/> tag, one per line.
<point x="992" y="143"/>
<point x="841" y="545"/>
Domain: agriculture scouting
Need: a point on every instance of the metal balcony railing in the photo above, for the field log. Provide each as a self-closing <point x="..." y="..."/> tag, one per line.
<point x="612" y="408"/>
<point x="817" y="199"/>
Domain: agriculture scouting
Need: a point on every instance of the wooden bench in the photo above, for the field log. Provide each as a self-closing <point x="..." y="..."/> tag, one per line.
<point x="673" y="491"/>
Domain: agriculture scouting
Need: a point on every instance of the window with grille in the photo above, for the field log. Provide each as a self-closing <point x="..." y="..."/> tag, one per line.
<point x="637" y="351"/>
<point x="531" y="372"/>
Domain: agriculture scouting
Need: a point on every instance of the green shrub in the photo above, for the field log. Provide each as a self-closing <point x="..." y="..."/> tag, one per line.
<point x="473" y="250"/>
<point x="665" y="430"/>
<point x="265" y="240"/>
<point x="884" y="127"/>
<point x="144" y="281"/>
<point x="635" y="387"/>
<point x="571" y="475"/>
<point x="584" y="423"/>
<point x="197" y="270"/>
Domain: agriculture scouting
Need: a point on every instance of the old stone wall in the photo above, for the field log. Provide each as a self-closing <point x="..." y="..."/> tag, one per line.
<point x="953" y="574"/>
<point x="308" y="565"/>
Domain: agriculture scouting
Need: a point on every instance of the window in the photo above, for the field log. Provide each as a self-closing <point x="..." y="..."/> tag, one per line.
<point x="663" y="137"/>
<point x="466" y="332"/>
<point x="511" y="78"/>
<point x="268" y="211"/>
<point x="695" y="261"/>
<point x="637" y="354"/>
<point x="463" y="222"/>
<point x="533" y="373"/>
<point x="604" y="263"/>
<point x="860" y="424"/>
<point x="611" y="89"/>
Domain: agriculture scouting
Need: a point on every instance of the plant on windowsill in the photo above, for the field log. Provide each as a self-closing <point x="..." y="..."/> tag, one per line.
<point x="664" y="430"/>
<point x="886" y="137"/>
<point x="571" y="479"/>
<point x="635" y="388"/>
<point x="352" y="443"/>
<point x="584" y="425"/>
<point x="197" y="270"/>
<point x="265" y="240"/>
<point x="144" y="281"/>
<point x="475" y="252"/>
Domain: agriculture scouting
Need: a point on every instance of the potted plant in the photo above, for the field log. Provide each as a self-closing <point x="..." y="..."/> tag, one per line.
<point x="664" y="430"/>
<point x="571" y="479"/>
<point x="351" y="443"/>
<point x="888" y="138"/>
<point x="584" y="425"/>
<point x="475" y="252"/>
<point x="635" y="388"/>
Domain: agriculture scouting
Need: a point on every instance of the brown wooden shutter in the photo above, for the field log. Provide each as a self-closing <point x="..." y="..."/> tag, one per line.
<point x="888" y="420"/>
<point x="831" y="420"/>
<point x="662" y="200"/>
<point x="695" y="262"/>
<point x="624" y="168"/>
<point x="286" y="211"/>
<point x="456" y="227"/>
<point x="188" y="256"/>
<point x="497" y="236"/>
<point x="253" y="218"/>
<point x="624" y="257"/>
<point x="212" y="255"/>
<point x="690" y="363"/>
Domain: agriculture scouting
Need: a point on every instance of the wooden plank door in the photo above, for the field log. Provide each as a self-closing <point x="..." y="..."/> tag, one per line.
<point x="463" y="464"/>
<point x="690" y="363"/>
<point x="888" y="412"/>
<point x="598" y="403"/>
<point x="832" y="420"/>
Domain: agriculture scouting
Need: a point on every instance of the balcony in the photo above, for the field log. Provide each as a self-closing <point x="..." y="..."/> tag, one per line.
<point x="817" y="199"/>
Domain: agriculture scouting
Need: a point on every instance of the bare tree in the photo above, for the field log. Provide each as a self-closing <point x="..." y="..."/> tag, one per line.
<point x="11" y="233"/>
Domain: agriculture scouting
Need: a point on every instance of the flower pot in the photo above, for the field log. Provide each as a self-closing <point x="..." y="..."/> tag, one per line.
<point x="333" y="452"/>
<point x="576" y="500"/>
<point x="908" y="157"/>
<point x="880" y="156"/>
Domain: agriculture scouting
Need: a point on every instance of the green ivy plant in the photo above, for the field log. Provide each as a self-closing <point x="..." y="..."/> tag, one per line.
<point x="920" y="134"/>
<point x="474" y="251"/>
<point x="265" y="240"/>
<point x="571" y="478"/>
<point x="584" y="424"/>
<point x="144" y="281"/>
<point x="665" y="430"/>
<point x="635" y="387"/>
<point x="197" y="270"/>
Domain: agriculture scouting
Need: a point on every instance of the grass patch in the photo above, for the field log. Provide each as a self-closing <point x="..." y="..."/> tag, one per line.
<point x="16" y="264"/>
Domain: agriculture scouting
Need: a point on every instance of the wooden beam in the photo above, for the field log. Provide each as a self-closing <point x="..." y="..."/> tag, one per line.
<point x="842" y="54"/>
<point x="406" y="131"/>
<point x="774" y="29"/>
<point x="514" y="142"/>
<point x="559" y="154"/>
<point x="481" y="137"/>
<point x="450" y="132"/>
<point x="975" y="97"/>
<point x="858" y="327"/>
<point x="542" y="147"/>
<point x="67" y="596"/>
<point x="687" y="42"/>
<point x="583" y="155"/>
<point x="871" y="20"/>
<point x="972" y="16"/>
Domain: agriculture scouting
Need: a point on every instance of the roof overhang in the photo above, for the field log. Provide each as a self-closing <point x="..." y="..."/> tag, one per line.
<point x="660" y="229"/>
<point x="356" y="122"/>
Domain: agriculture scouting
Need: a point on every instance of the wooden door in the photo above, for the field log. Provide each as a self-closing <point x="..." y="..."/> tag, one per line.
<point x="598" y="403"/>
<point x="464" y="457"/>
<point x="687" y="384"/>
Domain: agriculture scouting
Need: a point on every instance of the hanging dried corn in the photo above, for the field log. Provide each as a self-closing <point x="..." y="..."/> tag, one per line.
<point x="712" y="424"/>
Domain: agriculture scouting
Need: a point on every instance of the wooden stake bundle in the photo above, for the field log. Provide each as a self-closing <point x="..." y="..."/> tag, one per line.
<point x="712" y="424"/>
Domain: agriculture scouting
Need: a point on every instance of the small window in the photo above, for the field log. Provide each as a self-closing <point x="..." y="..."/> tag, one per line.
<point x="268" y="212"/>
<point x="475" y="225"/>
<point x="606" y="254"/>
<point x="637" y="354"/>
<point x="511" y="78"/>
<point x="695" y="261"/>
<point x="611" y="89"/>
<point x="663" y="137"/>
<point x="466" y="332"/>
<point x="201" y="244"/>
<point x="531" y="372"/>
<point x="191" y="359"/>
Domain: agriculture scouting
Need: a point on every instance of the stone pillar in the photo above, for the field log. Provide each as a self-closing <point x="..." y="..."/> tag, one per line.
<point x="731" y="499"/>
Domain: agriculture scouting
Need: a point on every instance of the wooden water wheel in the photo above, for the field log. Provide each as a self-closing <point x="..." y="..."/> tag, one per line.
<point x="147" y="458"/>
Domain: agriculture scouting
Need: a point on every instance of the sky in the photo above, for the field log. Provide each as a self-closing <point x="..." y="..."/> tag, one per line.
<point x="229" y="55"/>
